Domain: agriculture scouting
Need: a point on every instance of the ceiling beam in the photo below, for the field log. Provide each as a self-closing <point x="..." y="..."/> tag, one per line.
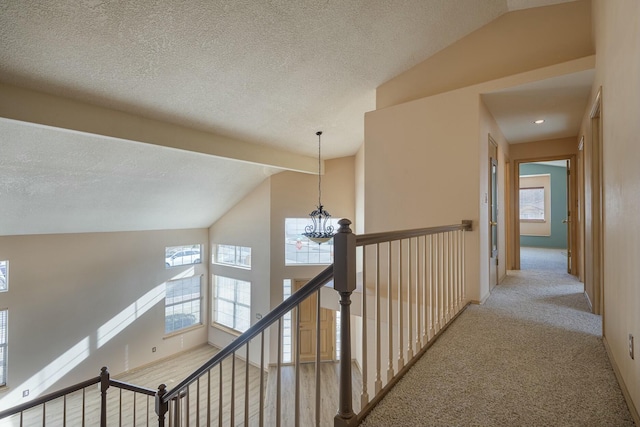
<point x="40" y="108"/>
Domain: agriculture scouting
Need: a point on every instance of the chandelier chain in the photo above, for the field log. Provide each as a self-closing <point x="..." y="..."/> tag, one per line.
<point x="319" y="174"/>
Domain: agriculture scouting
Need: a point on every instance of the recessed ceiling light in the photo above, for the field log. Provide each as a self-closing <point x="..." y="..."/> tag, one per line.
<point x="539" y="121"/>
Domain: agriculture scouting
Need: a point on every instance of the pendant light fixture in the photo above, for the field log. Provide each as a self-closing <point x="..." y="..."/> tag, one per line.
<point x="320" y="230"/>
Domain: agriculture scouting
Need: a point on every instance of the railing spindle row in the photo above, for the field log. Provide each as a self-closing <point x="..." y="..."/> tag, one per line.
<point x="421" y="275"/>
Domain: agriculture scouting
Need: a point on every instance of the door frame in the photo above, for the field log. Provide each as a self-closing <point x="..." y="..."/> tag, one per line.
<point x="514" y="217"/>
<point x="594" y="207"/>
<point x="295" y="325"/>
<point x="493" y="199"/>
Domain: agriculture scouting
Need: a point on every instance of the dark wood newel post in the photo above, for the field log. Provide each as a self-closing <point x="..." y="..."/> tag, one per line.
<point x="344" y="281"/>
<point x="161" y="406"/>
<point x="104" y="385"/>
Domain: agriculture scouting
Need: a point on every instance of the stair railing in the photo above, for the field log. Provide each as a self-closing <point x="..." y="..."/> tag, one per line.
<point x="79" y="405"/>
<point x="410" y="285"/>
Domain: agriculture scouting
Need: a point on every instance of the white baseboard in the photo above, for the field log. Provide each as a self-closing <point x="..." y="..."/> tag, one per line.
<point x="482" y="300"/>
<point x="623" y="386"/>
<point x="586" y="295"/>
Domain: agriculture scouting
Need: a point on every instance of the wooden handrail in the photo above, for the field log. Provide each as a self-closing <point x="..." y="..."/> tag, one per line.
<point x="48" y="397"/>
<point x="73" y="388"/>
<point x="133" y="388"/>
<point x="390" y="236"/>
<point x="344" y="283"/>
<point x="283" y="308"/>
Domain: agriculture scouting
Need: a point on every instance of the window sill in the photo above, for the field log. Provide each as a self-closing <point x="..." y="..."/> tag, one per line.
<point x="239" y="267"/>
<point x="226" y="329"/>
<point x="183" y="331"/>
<point x="534" y="220"/>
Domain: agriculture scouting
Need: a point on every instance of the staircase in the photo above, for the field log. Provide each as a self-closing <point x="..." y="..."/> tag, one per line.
<point x="399" y="290"/>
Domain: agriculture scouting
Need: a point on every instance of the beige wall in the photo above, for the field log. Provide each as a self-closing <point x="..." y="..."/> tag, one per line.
<point x="617" y="30"/>
<point x="501" y="48"/>
<point x="246" y="224"/>
<point x="422" y="167"/>
<point x="431" y="155"/>
<point x="258" y="222"/>
<point x="78" y="302"/>
<point x="541" y="150"/>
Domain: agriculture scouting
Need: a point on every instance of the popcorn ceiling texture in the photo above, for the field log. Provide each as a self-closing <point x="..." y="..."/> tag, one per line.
<point x="270" y="73"/>
<point x="266" y="72"/>
<point x="55" y="181"/>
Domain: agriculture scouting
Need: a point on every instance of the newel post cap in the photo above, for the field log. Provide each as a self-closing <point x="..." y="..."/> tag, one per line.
<point x="344" y="226"/>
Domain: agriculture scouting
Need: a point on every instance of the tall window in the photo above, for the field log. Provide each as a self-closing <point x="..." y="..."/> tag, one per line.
<point x="301" y="251"/>
<point x="4" y="276"/>
<point x="182" y="303"/>
<point x="3" y="346"/>
<point x="236" y="256"/>
<point x="181" y="255"/>
<point x="286" y="325"/>
<point x="232" y="303"/>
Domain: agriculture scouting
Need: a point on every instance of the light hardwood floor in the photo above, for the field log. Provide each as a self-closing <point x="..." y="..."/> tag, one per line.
<point x="127" y="409"/>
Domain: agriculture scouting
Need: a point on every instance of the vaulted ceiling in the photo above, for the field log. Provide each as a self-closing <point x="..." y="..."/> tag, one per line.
<point x="263" y="73"/>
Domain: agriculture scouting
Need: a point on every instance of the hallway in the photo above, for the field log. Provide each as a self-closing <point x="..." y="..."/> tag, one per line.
<point x="531" y="355"/>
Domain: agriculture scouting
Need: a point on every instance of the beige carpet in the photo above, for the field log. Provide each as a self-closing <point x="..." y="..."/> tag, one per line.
<point x="531" y="356"/>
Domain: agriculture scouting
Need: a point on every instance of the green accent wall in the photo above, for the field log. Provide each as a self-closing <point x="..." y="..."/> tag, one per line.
<point x="558" y="237"/>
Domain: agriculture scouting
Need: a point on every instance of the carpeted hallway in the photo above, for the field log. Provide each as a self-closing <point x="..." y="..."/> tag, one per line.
<point x="530" y="356"/>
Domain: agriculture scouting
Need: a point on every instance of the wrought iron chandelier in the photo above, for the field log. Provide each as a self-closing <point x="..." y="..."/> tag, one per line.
<point x="320" y="230"/>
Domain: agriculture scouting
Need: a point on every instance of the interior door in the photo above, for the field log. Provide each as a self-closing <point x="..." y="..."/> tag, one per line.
<point x="307" y="325"/>
<point x="493" y="213"/>
<point x="568" y="219"/>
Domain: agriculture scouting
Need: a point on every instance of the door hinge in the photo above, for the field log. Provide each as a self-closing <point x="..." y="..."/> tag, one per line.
<point x="497" y="261"/>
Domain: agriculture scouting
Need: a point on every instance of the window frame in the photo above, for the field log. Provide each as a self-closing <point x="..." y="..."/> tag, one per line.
<point x="302" y="241"/>
<point x="4" y="277"/>
<point x="4" y="345"/>
<point x="214" y="306"/>
<point x="237" y="254"/>
<point x="544" y="210"/>
<point x="199" y="320"/>
<point x="172" y="250"/>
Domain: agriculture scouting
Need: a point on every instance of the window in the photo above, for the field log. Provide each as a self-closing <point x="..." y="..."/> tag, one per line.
<point x="4" y="276"/>
<point x="286" y="325"/>
<point x="236" y="256"/>
<point x="532" y="204"/>
<point x="3" y="346"/>
<point x="301" y="251"/>
<point x="232" y="303"/>
<point x="182" y="304"/>
<point x="181" y="255"/>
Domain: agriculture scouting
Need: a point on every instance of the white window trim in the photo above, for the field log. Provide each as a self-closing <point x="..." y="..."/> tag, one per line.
<point x="214" y="293"/>
<point x="3" y="367"/>
<point x="200" y="323"/>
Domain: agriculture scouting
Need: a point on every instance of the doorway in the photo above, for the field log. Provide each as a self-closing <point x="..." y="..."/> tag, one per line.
<point x="545" y="236"/>
<point x="544" y="205"/>
<point x="307" y="323"/>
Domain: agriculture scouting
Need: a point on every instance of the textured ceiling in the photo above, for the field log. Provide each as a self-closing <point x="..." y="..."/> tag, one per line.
<point x="269" y="73"/>
<point x="53" y="180"/>
<point x="266" y="72"/>
<point x="559" y="101"/>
